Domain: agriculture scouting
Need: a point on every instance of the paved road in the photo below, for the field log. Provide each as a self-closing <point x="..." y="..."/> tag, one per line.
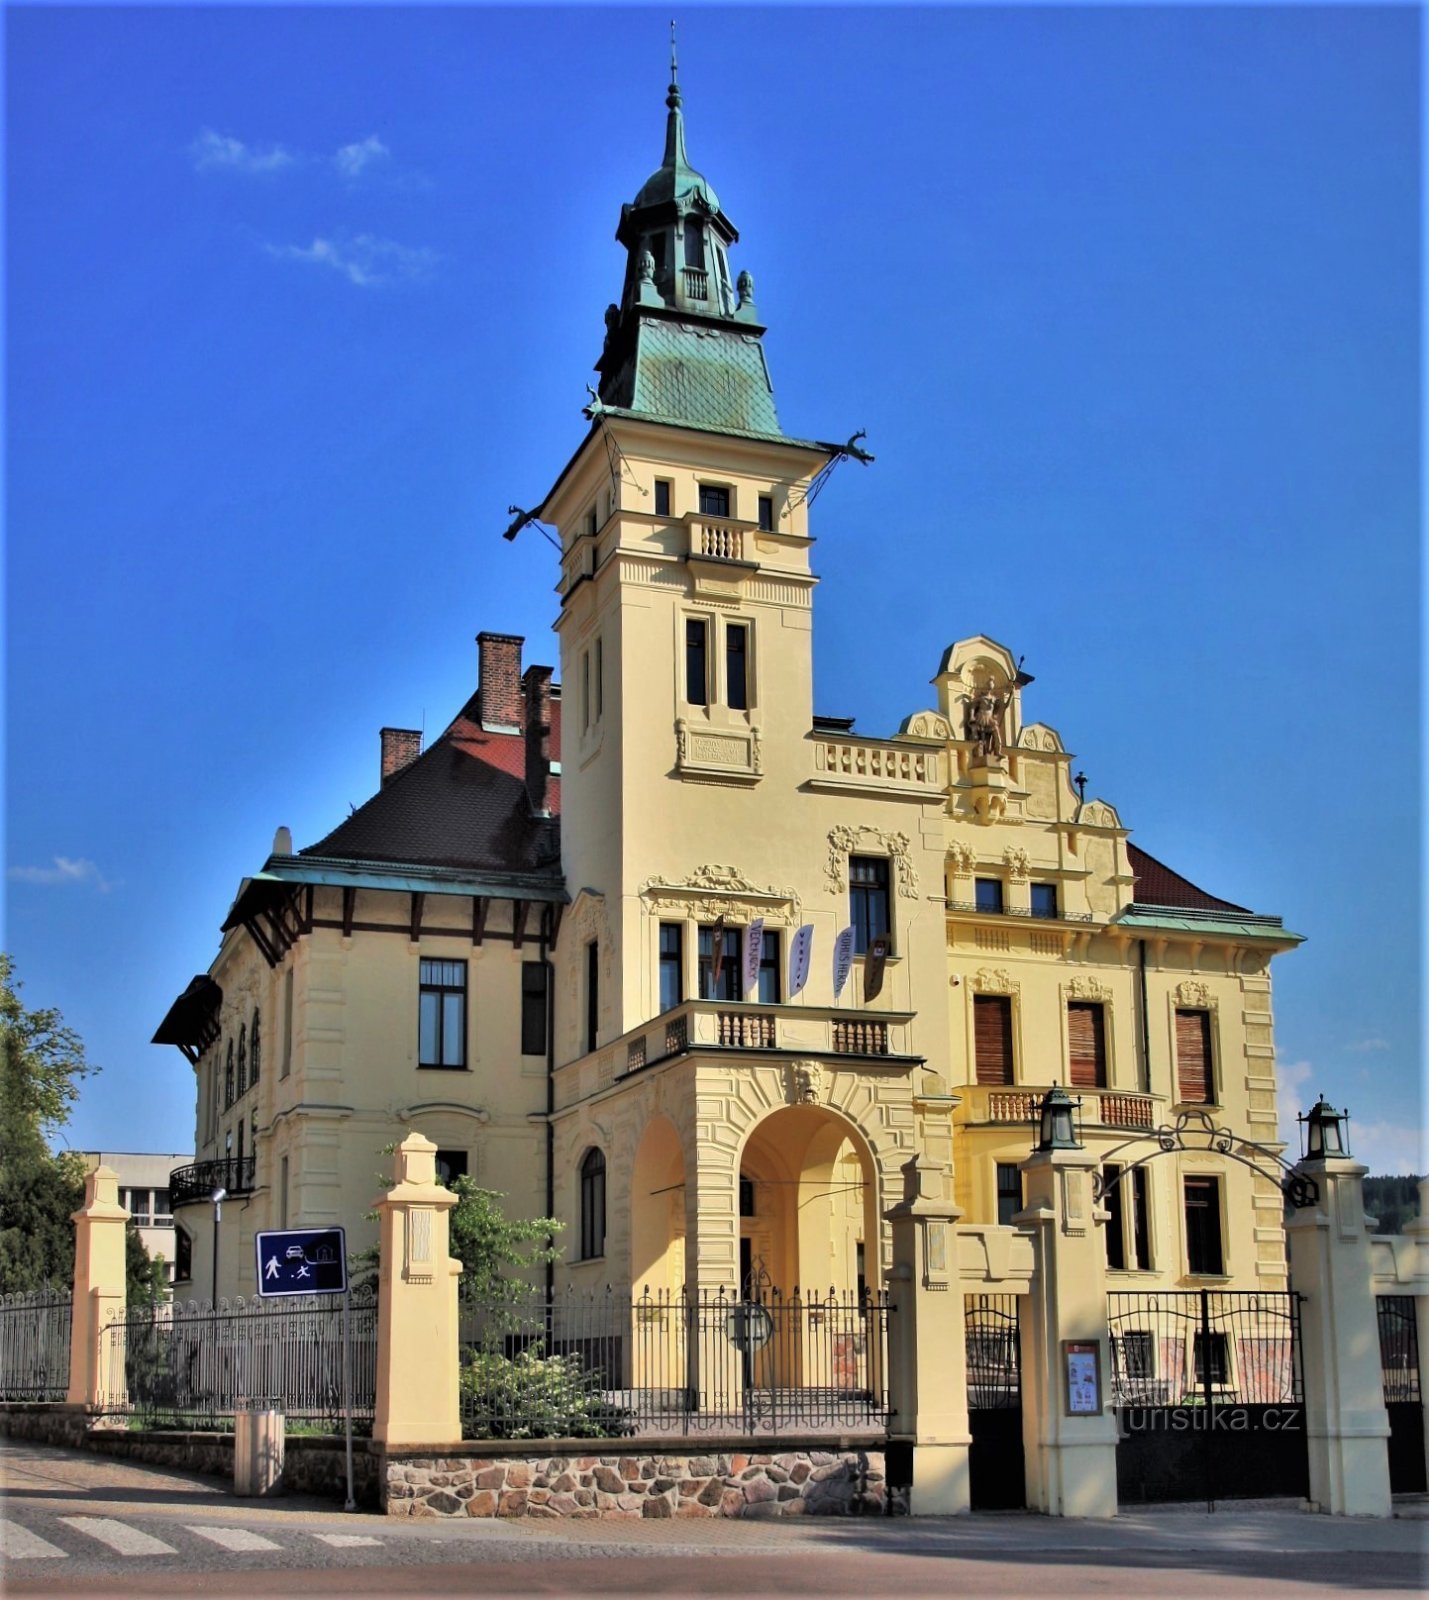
<point x="75" y="1524"/>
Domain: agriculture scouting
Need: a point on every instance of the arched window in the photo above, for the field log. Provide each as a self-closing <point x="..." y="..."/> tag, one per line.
<point x="228" y="1078"/>
<point x="242" y="1060"/>
<point x="592" y="1205"/>
<point x="255" y="1052"/>
<point x="183" y="1254"/>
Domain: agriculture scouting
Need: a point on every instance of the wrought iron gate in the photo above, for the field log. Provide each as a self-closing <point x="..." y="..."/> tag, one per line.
<point x="1209" y="1395"/>
<point x="994" y="1366"/>
<point x="1399" y="1362"/>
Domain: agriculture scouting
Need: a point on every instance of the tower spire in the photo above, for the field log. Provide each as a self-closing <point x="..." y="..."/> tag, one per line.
<point x="675" y="155"/>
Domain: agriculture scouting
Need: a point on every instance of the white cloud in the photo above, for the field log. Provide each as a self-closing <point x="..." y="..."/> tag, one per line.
<point x="1364" y="1046"/>
<point x="1290" y="1098"/>
<point x="66" y="870"/>
<point x="220" y="152"/>
<point x="1388" y="1147"/>
<point x="368" y="262"/>
<point x="354" y="159"/>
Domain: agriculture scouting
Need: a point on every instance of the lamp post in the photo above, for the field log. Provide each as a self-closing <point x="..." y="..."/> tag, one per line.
<point x="1324" y="1132"/>
<point x="219" y="1195"/>
<point x="1056" y="1125"/>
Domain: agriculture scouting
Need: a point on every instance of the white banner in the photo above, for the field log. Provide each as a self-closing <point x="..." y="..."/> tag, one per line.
<point x="801" y="949"/>
<point x="843" y="960"/>
<point x="753" y="951"/>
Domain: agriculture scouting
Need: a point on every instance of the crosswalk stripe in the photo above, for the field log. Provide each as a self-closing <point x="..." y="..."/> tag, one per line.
<point x="344" y="1541"/>
<point x="119" y="1536"/>
<point x="233" y="1538"/>
<point x="19" y="1544"/>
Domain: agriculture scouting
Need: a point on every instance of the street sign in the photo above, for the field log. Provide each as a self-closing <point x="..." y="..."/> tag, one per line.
<point x="302" y="1261"/>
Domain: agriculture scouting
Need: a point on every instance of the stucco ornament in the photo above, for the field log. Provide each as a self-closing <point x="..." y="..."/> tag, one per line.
<point x="985" y="710"/>
<point x="845" y="841"/>
<point x="806" y="1083"/>
<point x="1191" y="993"/>
<point x="928" y="725"/>
<point x="1017" y="862"/>
<point x="1086" y="989"/>
<point x="960" y="859"/>
<point x="995" y="980"/>
<point x="714" y="890"/>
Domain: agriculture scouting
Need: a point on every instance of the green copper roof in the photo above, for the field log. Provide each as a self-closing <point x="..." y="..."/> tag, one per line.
<point x="675" y="178"/>
<point x="1177" y="920"/>
<point x="704" y="374"/>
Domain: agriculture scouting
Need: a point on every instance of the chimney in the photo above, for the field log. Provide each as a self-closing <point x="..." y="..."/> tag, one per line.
<point x="400" y="748"/>
<point x="537" y="688"/>
<point x="499" y="686"/>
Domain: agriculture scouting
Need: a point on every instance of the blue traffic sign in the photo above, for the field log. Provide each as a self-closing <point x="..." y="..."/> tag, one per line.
<point x="302" y="1261"/>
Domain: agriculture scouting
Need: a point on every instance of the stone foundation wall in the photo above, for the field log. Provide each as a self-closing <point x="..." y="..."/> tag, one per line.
<point x="726" y="1483"/>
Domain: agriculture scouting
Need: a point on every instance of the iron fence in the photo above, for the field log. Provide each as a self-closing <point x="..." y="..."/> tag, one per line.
<point x="1185" y="1347"/>
<point x="34" y="1344"/>
<point x="609" y="1363"/>
<point x="1398" y="1348"/>
<point x="190" y="1364"/>
<point x="994" y="1362"/>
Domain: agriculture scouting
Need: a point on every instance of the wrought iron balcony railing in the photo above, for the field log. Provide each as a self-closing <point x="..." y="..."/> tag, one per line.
<point x="189" y="1185"/>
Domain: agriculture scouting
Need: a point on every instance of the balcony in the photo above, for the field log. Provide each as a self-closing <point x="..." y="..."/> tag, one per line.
<point x="971" y="908"/>
<point x="1112" y="1109"/>
<point x="190" y="1185"/>
<point x="872" y="766"/>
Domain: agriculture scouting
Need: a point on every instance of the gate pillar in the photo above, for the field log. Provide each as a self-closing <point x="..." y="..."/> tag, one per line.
<point x="96" y="1366"/>
<point x="1071" y="1454"/>
<point x="1418" y="1230"/>
<point x="1331" y="1265"/>
<point x="417" y="1343"/>
<point x="927" y="1365"/>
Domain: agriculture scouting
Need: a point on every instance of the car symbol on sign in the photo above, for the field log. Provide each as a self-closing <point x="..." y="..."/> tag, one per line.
<point x="295" y="1253"/>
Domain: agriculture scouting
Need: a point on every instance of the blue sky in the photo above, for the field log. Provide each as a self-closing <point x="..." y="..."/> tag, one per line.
<point x="299" y="300"/>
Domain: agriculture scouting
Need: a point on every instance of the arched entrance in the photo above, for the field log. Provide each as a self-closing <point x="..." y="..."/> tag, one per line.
<point x="657" y="1210"/>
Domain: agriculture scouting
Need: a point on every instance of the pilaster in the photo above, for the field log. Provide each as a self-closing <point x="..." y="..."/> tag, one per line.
<point x="96" y="1369"/>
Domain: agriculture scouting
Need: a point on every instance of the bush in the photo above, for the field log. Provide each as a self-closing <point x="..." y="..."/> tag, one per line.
<point x="535" y="1396"/>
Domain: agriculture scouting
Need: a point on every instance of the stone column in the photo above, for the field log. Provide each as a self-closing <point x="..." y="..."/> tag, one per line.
<point x="96" y="1370"/>
<point x="1071" y="1460"/>
<point x="416" y="1305"/>
<point x="927" y="1359"/>
<point x="1331" y="1265"/>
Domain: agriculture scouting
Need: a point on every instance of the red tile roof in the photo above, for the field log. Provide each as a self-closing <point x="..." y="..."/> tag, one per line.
<point x="1158" y="885"/>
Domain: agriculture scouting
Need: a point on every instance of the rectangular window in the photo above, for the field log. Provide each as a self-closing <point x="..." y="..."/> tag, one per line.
<point x="769" y="970"/>
<point x="533" y="1008"/>
<point x="992" y="1037"/>
<point x="746" y="1197"/>
<point x="1204" y="1257"/>
<point x="736" y="666"/>
<point x="987" y="894"/>
<point x="1133" y="1356"/>
<point x="599" y="679"/>
<point x="696" y="658"/>
<point x="585" y="689"/>
<point x="442" y="1014"/>
<point x="728" y="988"/>
<point x="287" y="1022"/>
<point x="162" y="1208"/>
<point x="283" y="1193"/>
<point x="766" y="512"/>
<point x="1009" y="1192"/>
<point x="1193" y="1058"/>
<point x="714" y="500"/>
<point x="1212" y="1359"/>
<point x="1044" y="899"/>
<point x="662" y="497"/>
<point x="868" y="899"/>
<point x="592" y="523"/>
<point x="1116" y="1222"/>
<point x="1086" y="1041"/>
<point x="672" y="964"/>
<point x="451" y="1165"/>
<point x="592" y="993"/>
<point x="1141" y="1222"/>
<point x="694" y="245"/>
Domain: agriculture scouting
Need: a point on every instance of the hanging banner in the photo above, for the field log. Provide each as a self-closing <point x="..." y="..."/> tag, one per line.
<point x="843" y="960"/>
<point x="873" y="964"/>
<point x="801" y="948"/>
<point x="753" y="953"/>
<point x="716" y="958"/>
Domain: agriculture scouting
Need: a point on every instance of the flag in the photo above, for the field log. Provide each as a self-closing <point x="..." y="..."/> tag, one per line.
<point x="716" y="957"/>
<point x="753" y="952"/>
<point x="843" y="960"/>
<point x="801" y="948"/>
<point x="873" y="964"/>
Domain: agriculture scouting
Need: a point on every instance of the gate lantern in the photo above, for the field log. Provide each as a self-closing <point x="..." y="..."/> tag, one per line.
<point x="1324" y="1136"/>
<point x="1056" y="1129"/>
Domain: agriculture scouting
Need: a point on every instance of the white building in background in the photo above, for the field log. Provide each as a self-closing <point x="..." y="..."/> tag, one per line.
<point x="144" y="1193"/>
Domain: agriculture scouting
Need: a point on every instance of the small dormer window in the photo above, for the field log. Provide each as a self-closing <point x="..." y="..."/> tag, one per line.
<point x="694" y="245"/>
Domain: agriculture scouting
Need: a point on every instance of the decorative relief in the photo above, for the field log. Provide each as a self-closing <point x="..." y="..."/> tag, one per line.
<point x="736" y="751"/>
<point x="1017" y="861"/>
<point x="1081" y="988"/>
<point x="845" y="841"/>
<point x="1193" y="994"/>
<point x="995" y="980"/>
<point x="960" y="858"/>
<point x="927" y="725"/>
<point x="805" y="1085"/>
<point x="713" y="891"/>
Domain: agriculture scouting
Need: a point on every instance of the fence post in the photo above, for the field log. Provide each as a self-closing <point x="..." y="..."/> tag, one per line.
<point x="96" y="1368"/>
<point x="1331" y="1265"/>
<point x="1071" y="1458"/>
<point x="927" y="1367"/>
<point x="416" y="1305"/>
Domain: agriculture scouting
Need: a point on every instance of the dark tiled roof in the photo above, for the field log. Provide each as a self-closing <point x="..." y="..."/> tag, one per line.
<point x="461" y="803"/>
<point x="1158" y="885"/>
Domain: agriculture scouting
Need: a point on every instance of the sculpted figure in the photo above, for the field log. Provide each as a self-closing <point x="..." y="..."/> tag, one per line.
<point x="985" y="710"/>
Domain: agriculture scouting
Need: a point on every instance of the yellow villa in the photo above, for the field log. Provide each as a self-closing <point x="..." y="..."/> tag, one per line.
<point x="662" y="952"/>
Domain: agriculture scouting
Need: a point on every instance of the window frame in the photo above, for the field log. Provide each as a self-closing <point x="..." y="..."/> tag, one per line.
<point x="535" y="1034"/>
<point x="1199" y="1239"/>
<point x="994" y="901"/>
<point x="697" y="678"/>
<point x="1004" y="1004"/>
<point x="1008" y="1192"/>
<point x="715" y="491"/>
<point x="450" y="1159"/>
<point x="592" y="1198"/>
<point x="765" y="513"/>
<point x="744" y="632"/>
<point x="664" y="496"/>
<point x="770" y="967"/>
<point x="1101" y="1057"/>
<point x="592" y="995"/>
<point x="1040" y="912"/>
<point x="731" y="968"/>
<point x="427" y="985"/>
<point x="863" y="897"/>
<point x="670" y="963"/>
<point x="1208" y="1016"/>
<point x="255" y="1048"/>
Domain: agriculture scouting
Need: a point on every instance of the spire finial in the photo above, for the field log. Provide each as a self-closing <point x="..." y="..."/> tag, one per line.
<point x="673" y="98"/>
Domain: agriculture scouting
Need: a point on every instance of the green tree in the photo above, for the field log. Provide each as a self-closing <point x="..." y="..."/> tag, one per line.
<point x="41" y="1065"/>
<point x="146" y="1282"/>
<point x="494" y="1249"/>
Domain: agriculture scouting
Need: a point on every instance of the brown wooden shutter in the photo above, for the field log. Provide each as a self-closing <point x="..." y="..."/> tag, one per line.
<point x="1086" y="1033"/>
<point x="992" y="1037"/>
<point x="1193" y="1057"/>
